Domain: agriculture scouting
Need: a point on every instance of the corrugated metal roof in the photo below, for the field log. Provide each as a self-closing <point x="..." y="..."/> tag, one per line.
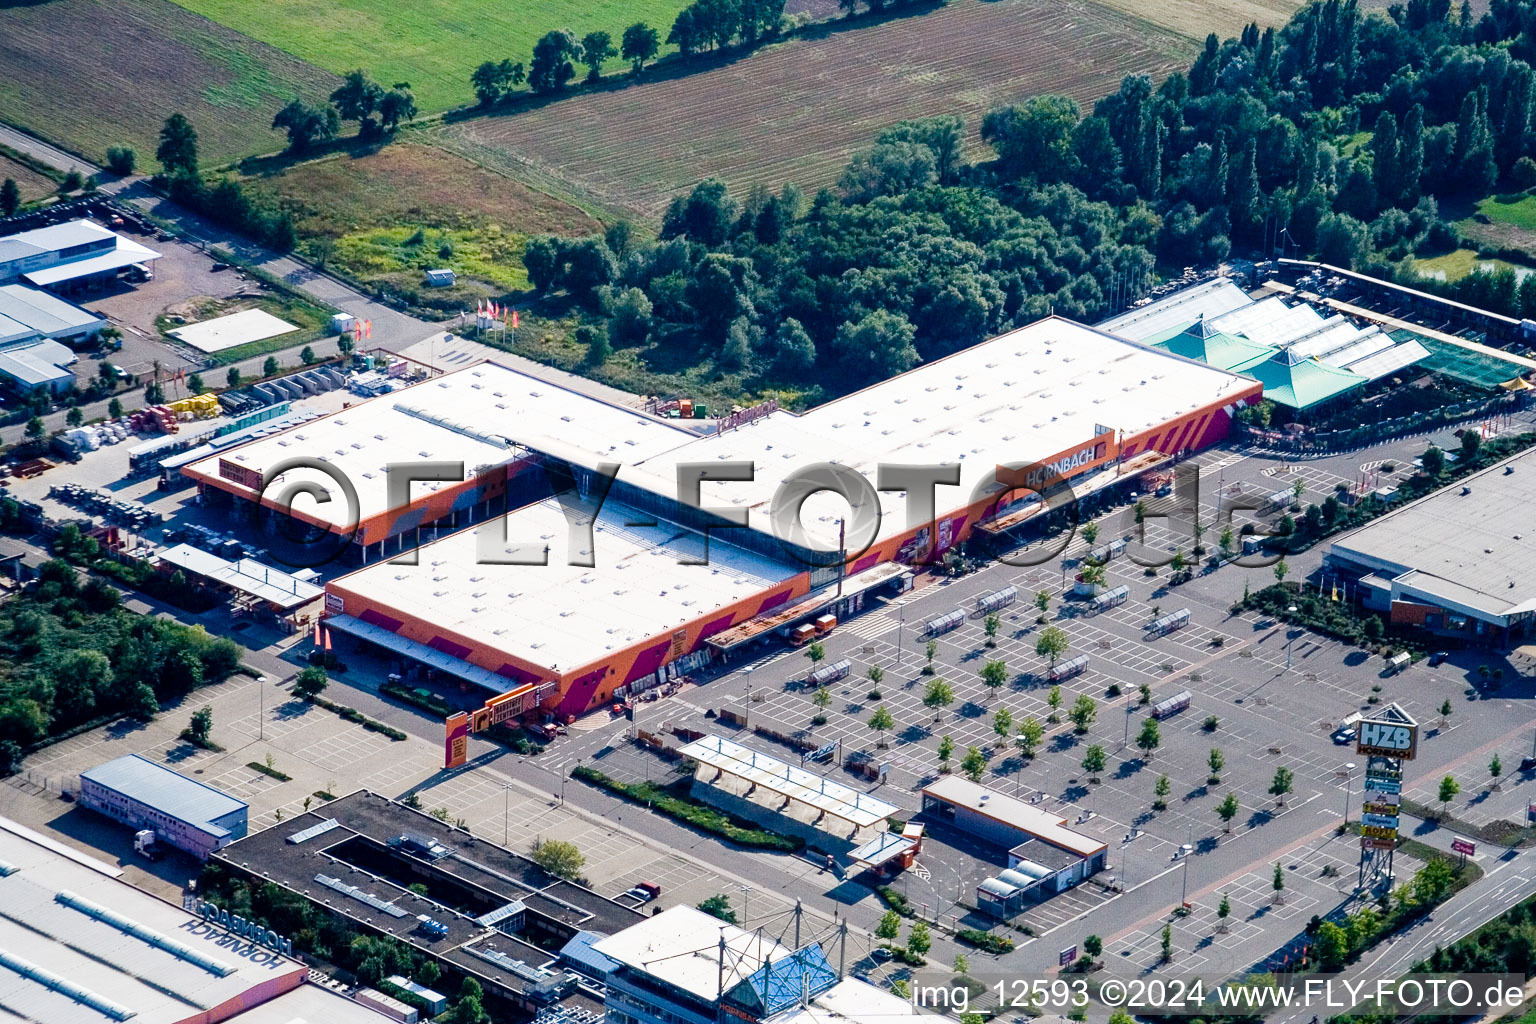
<point x="37" y="362"/>
<point x="169" y="792"/>
<point x="44" y="313"/>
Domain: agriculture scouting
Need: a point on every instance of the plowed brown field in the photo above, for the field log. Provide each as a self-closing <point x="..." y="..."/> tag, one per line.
<point x="796" y="111"/>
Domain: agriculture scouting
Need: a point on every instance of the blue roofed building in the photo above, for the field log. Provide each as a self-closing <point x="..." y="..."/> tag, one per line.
<point x="685" y="967"/>
<point x="183" y="812"/>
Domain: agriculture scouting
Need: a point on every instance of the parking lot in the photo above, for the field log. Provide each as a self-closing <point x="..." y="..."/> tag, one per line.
<point x="1276" y="694"/>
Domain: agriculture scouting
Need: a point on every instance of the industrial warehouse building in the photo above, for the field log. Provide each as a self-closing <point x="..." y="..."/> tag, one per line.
<point x="487" y="913"/>
<point x="1045" y="857"/>
<point x="1045" y="404"/>
<point x="1458" y="562"/>
<point x="73" y="254"/>
<point x="78" y="944"/>
<point x="183" y="812"/>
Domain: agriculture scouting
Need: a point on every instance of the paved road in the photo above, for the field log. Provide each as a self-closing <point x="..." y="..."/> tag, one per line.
<point x="50" y="155"/>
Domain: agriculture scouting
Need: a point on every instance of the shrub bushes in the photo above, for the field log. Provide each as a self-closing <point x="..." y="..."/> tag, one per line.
<point x="667" y="800"/>
<point x="985" y="940"/>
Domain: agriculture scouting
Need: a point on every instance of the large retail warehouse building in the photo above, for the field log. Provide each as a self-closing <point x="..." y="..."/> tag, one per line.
<point x="1068" y="402"/>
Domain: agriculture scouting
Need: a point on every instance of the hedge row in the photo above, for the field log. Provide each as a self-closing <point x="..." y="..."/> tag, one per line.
<point x="666" y="800"/>
<point x="354" y="715"/>
<point x="985" y="940"/>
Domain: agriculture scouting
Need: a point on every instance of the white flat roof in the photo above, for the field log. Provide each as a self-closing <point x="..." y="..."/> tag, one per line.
<point x="1208" y="299"/>
<point x="245" y="575"/>
<point x="126" y="253"/>
<point x="1021" y="815"/>
<point x="850" y="1001"/>
<point x="478" y="416"/>
<point x="1022" y="397"/>
<point x="1469" y="551"/>
<point x="562" y="616"/>
<point x="785" y="780"/>
<point x="310" y="1004"/>
<point x="681" y="947"/>
<point x="114" y="967"/>
<point x="235" y="329"/>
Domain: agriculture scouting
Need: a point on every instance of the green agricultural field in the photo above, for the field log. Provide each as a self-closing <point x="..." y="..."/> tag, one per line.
<point x="433" y="44"/>
<point x="32" y="182"/>
<point x="89" y="74"/>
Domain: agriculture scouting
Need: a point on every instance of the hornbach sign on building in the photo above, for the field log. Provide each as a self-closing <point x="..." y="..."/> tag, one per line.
<point x="237" y="925"/>
<point x="1062" y="465"/>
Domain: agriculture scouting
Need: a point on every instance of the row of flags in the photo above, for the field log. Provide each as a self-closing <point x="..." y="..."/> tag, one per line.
<point x="322" y="636"/>
<point x="363" y="329"/>
<point x="493" y="310"/>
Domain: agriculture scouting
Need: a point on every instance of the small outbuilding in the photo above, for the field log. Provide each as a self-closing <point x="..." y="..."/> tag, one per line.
<point x="441" y="278"/>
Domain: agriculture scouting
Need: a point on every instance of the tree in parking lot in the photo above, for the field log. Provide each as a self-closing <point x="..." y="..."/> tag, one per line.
<point x="1053" y="699"/>
<point x="1227" y="810"/>
<point x="1217" y="761"/>
<point x="115" y="409"/>
<point x="1282" y="570"/>
<point x="1449" y="787"/>
<point x="1283" y="782"/>
<point x="1495" y="769"/>
<point x="1278" y="883"/>
<point x="1445" y="713"/>
<point x="994" y="674"/>
<point x="1031" y="732"/>
<point x="74" y="417"/>
<point x="937" y="697"/>
<point x="1090" y="532"/>
<point x="946" y="751"/>
<point x="1094" y="760"/>
<point x="1002" y="725"/>
<point x="881" y="722"/>
<point x="35" y="428"/>
<point x="1160" y="792"/>
<point x="200" y="725"/>
<point x="1084" y="710"/>
<point x="974" y="764"/>
<point x="919" y="940"/>
<point x="1150" y="737"/>
<point x="1052" y="643"/>
<point x="558" y="857"/>
<point x="815" y="653"/>
<point x="310" y="682"/>
<point x="822" y="698"/>
<point x="989" y="627"/>
<point x="929" y="651"/>
<point x="889" y="926"/>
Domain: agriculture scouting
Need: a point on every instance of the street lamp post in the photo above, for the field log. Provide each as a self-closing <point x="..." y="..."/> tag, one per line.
<point x="1290" y="635"/>
<point x="745" y="891"/>
<point x="1349" y="784"/>
<point x="901" y="629"/>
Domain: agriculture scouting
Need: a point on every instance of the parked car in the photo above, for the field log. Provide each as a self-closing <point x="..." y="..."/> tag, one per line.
<point x="1438" y="657"/>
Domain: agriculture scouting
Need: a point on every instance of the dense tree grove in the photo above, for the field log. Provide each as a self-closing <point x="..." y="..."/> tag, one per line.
<point x="75" y="654"/>
<point x="1334" y="136"/>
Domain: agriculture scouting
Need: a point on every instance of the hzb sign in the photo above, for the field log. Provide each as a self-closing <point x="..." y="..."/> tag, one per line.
<point x="1387" y="739"/>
